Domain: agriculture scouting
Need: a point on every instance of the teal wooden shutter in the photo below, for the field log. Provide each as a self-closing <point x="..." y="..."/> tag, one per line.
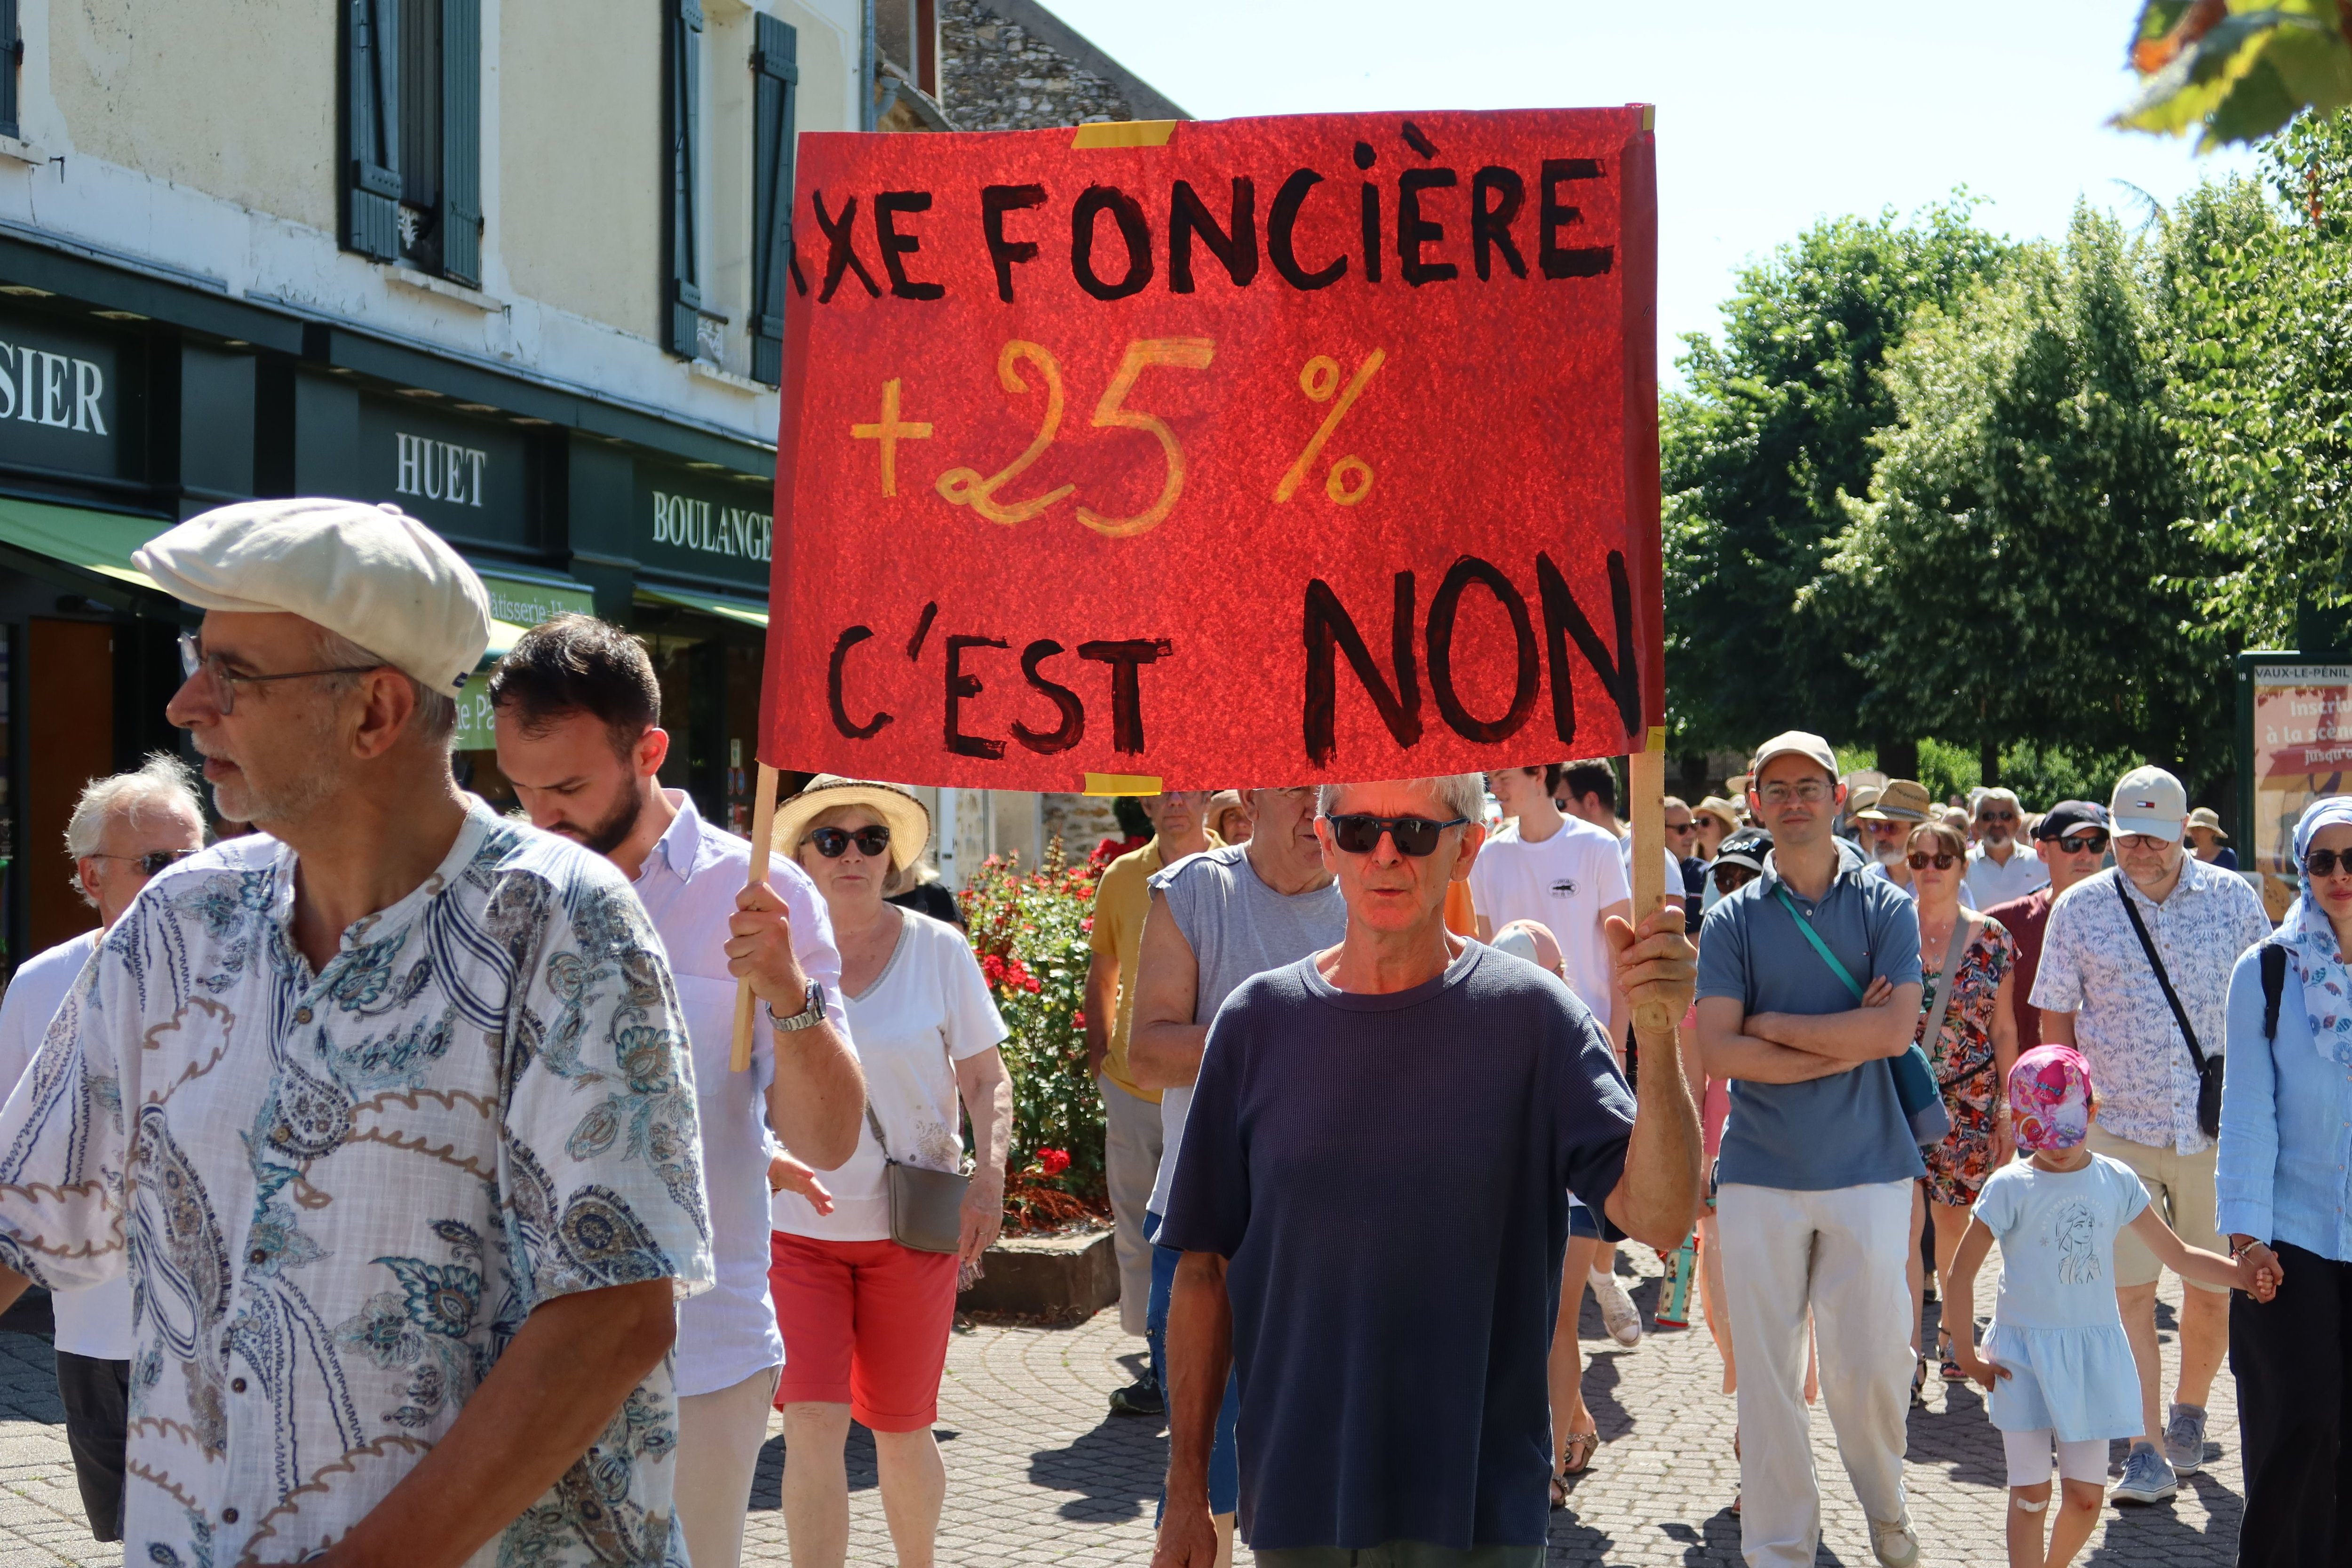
<point x="12" y="64"/>
<point x="461" y="140"/>
<point x="371" y="127"/>
<point x="776" y="75"/>
<point x="682" y="105"/>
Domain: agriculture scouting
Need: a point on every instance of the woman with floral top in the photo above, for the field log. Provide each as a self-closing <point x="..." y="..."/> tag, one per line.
<point x="1971" y="1043"/>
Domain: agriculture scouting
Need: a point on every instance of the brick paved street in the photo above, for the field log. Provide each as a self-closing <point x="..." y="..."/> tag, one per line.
<point x="1039" y="1473"/>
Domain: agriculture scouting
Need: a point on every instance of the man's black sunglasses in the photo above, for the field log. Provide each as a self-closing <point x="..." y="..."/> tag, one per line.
<point x="833" y="842"/>
<point x="2083" y="844"/>
<point x="152" y="862"/>
<point x="1416" y="835"/>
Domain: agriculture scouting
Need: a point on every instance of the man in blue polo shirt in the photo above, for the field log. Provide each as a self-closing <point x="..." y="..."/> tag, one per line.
<point x="1808" y="981"/>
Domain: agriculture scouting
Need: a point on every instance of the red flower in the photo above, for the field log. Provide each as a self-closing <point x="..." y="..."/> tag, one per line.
<point x="1053" y="1162"/>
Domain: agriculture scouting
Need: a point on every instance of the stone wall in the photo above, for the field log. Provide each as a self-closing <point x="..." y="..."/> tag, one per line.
<point x="1005" y="67"/>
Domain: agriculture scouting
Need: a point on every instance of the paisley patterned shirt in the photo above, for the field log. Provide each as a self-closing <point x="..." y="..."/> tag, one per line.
<point x="339" y="1195"/>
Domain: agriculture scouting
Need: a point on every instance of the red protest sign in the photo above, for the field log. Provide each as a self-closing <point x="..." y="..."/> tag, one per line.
<point x="1239" y="453"/>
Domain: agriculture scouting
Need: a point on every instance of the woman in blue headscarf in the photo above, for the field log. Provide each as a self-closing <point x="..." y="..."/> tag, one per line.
<point x="2286" y="1188"/>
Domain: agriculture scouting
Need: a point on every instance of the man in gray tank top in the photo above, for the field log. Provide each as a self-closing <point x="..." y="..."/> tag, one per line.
<point x="1217" y="919"/>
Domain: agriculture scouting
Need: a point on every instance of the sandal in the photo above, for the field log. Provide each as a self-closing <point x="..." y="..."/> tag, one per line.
<point x="1919" y="1383"/>
<point x="1952" y="1375"/>
<point x="1576" y="1457"/>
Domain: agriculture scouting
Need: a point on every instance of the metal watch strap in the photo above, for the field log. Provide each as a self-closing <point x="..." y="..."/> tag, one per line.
<point x="809" y="1016"/>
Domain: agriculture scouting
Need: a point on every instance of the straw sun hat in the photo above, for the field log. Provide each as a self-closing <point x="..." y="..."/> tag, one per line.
<point x="909" y="823"/>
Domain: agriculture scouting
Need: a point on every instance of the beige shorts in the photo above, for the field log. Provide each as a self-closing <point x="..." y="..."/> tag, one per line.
<point x="2179" y="1188"/>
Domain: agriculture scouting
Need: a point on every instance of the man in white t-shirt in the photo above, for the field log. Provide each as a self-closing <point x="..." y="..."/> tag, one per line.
<point x="123" y="830"/>
<point x="1567" y="876"/>
<point x="577" y="712"/>
<point x="1589" y="790"/>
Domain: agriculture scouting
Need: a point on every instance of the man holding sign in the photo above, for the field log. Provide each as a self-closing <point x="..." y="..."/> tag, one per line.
<point x="1386" y="1402"/>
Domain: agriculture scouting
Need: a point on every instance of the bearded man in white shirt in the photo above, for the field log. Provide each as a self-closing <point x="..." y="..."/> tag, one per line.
<point x="389" y="1115"/>
<point x="577" y="712"/>
<point x="123" y="830"/>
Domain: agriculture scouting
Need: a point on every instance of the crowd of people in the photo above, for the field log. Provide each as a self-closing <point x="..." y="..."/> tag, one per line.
<point x="400" y="1196"/>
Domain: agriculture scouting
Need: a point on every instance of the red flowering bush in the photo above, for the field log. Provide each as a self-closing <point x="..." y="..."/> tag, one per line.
<point x="1029" y="930"/>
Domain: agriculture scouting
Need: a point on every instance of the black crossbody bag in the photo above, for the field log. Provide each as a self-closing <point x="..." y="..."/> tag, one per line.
<point x="2209" y="1069"/>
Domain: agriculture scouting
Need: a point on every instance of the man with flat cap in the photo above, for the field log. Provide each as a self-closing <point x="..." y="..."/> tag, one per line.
<point x="388" y="1114"/>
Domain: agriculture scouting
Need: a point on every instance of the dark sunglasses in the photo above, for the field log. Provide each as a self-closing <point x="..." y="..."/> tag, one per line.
<point x="1942" y="861"/>
<point x="1730" y="878"/>
<point x="2083" y="844"/>
<point x="833" y="842"/>
<point x="155" y="860"/>
<point x="1416" y="835"/>
<point x="2323" y="862"/>
<point x="1995" y="816"/>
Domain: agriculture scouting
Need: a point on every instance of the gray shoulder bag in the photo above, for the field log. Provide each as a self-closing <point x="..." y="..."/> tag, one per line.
<point x="925" y="1205"/>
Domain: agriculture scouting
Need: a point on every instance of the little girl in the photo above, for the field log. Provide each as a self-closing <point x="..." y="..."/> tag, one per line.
<point x="2056" y="1363"/>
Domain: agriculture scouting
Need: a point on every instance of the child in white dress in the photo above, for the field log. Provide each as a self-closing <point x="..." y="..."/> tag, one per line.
<point x="2056" y="1365"/>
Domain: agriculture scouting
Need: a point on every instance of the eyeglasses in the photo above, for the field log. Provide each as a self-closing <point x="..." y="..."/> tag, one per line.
<point x="154" y="860"/>
<point x="1357" y="834"/>
<point x="2323" y="862"/>
<point x="834" y="842"/>
<point x="1995" y="816"/>
<point x="2083" y="843"/>
<point x="2137" y="841"/>
<point x="1682" y="827"/>
<point x="193" y="658"/>
<point x="1730" y="878"/>
<point x="1886" y="829"/>
<point x="1942" y="861"/>
<point x="1812" y="792"/>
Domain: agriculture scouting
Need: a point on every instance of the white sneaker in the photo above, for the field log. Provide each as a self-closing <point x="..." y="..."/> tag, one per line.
<point x="1896" y="1543"/>
<point x="1618" y="1313"/>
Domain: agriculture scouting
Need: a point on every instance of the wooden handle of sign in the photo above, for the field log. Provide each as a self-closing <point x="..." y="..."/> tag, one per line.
<point x="763" y="824"/>
<point x="1646" y="781"/>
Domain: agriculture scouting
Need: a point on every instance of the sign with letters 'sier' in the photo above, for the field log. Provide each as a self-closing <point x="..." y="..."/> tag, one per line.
<point x="60" y="397"/>
<point x="1243" y="453"/>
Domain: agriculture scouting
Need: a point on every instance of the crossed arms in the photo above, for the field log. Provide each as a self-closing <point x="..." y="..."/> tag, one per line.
<point x="1797" y="1048"/>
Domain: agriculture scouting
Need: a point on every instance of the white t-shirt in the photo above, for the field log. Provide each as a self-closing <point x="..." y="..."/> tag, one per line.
<point x="94" y="1322"/>
<point x="1673" y="882"/>
<point x="1564" y="882"/>
<point x="929" y="1007"/>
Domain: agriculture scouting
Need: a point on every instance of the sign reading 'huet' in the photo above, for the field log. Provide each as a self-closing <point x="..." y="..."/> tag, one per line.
<point x="1234" y="453"/>
<point x="467" y="477"/>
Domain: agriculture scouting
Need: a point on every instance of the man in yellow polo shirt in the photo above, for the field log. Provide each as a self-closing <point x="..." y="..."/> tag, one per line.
<point x="1132" y="1138"/>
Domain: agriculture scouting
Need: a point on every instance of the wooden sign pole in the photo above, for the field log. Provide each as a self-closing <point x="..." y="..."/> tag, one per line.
<point x="1645" y="782"/>
<point x="763" y="826"/>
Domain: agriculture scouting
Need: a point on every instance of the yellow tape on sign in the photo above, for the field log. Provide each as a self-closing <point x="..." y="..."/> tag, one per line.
<point x="1122" y="784"/>
<point x="1656" y="740"/>
<point x="1124" y="133"/>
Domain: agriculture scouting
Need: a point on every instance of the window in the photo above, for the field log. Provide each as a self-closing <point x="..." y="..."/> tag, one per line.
<point x="411" y="95"/>
<point x="682" y="112"/>
<point x="12" y="60"/>
<point x="775" y="75"/>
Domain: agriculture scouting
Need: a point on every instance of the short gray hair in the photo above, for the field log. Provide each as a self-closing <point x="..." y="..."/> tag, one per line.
<point x="163" y="782"/>
<point x="1996" y="792"/>
<point x="436" y="718"/>
<point x="1461" y="795"/>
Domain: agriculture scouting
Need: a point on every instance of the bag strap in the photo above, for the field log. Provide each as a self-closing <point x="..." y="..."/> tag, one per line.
<point x="875" y="1122"/>
<point x="2171" y="997"/>
<point x="1819" y="945"/>
<point x="2274" y="963"/>
<point x="1964" y="931"/>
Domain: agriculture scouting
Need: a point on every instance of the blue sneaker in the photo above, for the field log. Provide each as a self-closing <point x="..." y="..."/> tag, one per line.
<point x="2184" y="1439"/>
<point x="2148" y="1478"/>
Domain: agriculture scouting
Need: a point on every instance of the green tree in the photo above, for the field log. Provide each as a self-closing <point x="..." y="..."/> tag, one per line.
<point x="2018" y="573"/>
<point x="2237" y="70"/>
<point x="1775" y="423"/>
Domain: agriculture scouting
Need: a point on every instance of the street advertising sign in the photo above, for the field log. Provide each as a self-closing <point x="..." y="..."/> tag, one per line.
<point x="1253" y="452"/>
<point x="2301" y="751"/>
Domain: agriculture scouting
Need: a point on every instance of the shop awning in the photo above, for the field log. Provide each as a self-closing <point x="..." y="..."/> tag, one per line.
<point x="750" y="612"/>
<point x="99" y="542"/>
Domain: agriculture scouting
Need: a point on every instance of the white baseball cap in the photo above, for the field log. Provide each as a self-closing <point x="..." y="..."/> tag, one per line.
<point x="1794" y="742"/>
<point x="372" y="573"/>
<point x="2150" y="801"/>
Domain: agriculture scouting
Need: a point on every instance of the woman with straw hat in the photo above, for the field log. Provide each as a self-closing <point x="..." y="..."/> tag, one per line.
<point x="865" y="1275"/>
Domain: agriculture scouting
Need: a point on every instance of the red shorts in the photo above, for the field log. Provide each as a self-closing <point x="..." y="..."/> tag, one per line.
<point x="865" y="1324"/>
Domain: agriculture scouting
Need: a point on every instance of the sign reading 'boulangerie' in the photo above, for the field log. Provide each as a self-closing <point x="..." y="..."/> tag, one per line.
<point x="1252" y="452"/>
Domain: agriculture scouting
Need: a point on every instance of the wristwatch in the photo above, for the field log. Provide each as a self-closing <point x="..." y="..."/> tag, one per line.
<point x="808" y="1016"/>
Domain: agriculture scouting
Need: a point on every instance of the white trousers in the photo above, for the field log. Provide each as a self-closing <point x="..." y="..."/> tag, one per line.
<point x="1131" y="1141"/>
<point x="718" y="1438"/>
<point x="1840" y="1253"/>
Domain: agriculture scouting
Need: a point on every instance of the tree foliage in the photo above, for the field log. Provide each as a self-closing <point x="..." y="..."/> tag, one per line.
<point x="2237" y="70"/>
<point x="2019" y="567"/>
<point x="1774" y="425"/>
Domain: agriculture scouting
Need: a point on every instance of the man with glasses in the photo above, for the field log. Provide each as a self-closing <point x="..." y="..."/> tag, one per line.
<point x="124" y="829"/>
<point x="2071" y="842"/>
<point x="1999" y="870"/>
<point x="1132" y="1140"/>
<point x="2100" y="992"/>
<point x="1884" y="828"/>
<point x="1372" y="1208"/>
<point x="576" y="708"/>
<point x="1808" y="980"/>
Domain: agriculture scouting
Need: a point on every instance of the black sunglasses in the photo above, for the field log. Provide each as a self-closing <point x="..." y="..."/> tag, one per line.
<point x="154" y="860"/>
<point x="1942" y="861"/>
<point x="833" y="842"/>
<point x="1416" y="835"/>
<point x="2323" y="862"/>
<point x="2083" y="844"/>
<point x="1728" y="876"/>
